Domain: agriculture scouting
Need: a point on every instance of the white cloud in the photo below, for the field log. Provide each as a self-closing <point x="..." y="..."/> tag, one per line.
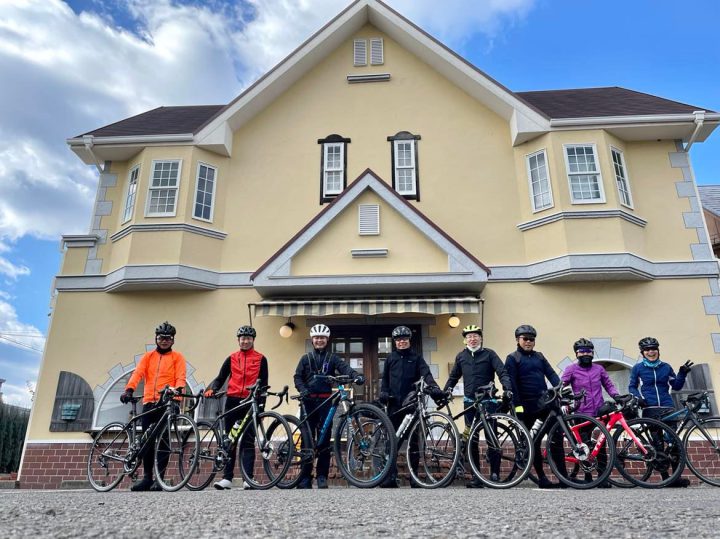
<point x="16" y="395"/>
<point x="16" y="333"/>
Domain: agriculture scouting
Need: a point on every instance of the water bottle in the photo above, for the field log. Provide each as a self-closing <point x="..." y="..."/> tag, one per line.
<point x="535" y="427"/>
<point x="405" y="422"/>
<point x="234" y="432"/>
<point x="466" y="433"/>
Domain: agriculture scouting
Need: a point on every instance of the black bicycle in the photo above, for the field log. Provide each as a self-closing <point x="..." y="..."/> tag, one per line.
<point x="118" y="448"/>
<point x="363" y="440"/>
<point x="270" y="435"/>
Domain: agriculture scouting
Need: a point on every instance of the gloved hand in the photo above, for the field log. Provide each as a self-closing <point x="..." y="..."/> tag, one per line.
<point x="448" y="393"/>
<point x="436" y="393"/>
<point x="684" y="369"/>
<point x="359" y="381"/>
<point x="642" y="402"/>
<point x="507" y="395"/>
<point x="304" y="394"/>
<point x="383" y="397"/>
<point x="125" y="397"/>
<point x="617" y="398"/>
<point x="209" y="393"/>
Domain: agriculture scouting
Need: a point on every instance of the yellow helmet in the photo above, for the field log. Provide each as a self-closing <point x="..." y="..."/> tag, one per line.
<point x="472" y="328"/>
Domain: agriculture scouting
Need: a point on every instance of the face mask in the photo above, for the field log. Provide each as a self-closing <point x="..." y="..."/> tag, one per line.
<point x="585" y="361"/>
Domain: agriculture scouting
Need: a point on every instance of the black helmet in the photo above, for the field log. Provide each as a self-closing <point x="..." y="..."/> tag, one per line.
<point x="648" y="342"/>
<point x="583" y="343"/>
<point x="401" y="331"/>
<point x="247" y="331"/>
<point x="166" y="328"/>
<point x="525" y="329"/>
<point x="472" y="328"/>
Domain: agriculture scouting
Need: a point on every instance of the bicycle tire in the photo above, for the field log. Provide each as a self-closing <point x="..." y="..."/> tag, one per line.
<point x="272" y="438"/>
<point x="370" y="445"/>
<point x="107" y="457"/>
<point x="511" y="460"/>
<point x="301" y="456"/>
<point x="709" y="450"/>
<point x="210" y="461"/>
<point x="590" y="465"/>
<point x="178" y="444"/>
<point x="438" y="450"/>
<point x="654" y="468"/>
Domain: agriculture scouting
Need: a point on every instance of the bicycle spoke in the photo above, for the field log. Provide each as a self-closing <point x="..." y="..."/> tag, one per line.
<point x="433" y="450"/>
<point x="176" y="452"/>
<point x="210" y="457"/>
<point x="267" y="441"/>
<point x="108" y="455"/>
<point x="703" y="450"/>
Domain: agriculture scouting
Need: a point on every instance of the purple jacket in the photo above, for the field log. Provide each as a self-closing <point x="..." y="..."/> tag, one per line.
<point x="592" y="380"/>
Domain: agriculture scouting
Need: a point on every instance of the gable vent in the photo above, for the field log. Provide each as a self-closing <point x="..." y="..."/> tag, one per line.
<point x="369" y="219"/>
<point x="376" y="52"/>
<point x="360" y="52"/>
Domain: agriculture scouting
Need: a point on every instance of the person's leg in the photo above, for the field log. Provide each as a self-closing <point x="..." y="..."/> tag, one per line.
<point x="396" y="420"/>
<point x="230" y="419"/>
<point x="469" y="417"/>
<point x="148" y="458"/>
<point x="323" y="460"/>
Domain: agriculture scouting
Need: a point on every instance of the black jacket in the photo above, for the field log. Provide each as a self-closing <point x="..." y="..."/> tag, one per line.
<point x="477" y="369"/>
<point x="402" y="369"/>
<point x="322" y="363"/>
<point x="527" y="375"/>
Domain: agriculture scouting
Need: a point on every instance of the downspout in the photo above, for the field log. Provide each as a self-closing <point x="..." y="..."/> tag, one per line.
<point x="699" y="119"/>
<point x="88" y="140"/>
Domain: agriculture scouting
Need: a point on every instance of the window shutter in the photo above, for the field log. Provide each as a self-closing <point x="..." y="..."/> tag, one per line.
<point x="360" y="52"/>
<point x="376" y="51"/>
<point x="369" y="219"/>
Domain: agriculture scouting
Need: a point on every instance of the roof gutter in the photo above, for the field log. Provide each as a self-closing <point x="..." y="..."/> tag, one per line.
<point x="699" y="120"/>
<point x="88" y="141"/>
<point x="638" y="119"/>
<point x="137" y="139"/>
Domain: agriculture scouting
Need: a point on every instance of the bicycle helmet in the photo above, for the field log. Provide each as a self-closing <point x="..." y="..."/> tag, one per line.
<point x="166" y="328"/>
<point x="648" y="342"/>
<point x="320" y="330"/>
<point x="400" y="332"/>
<point x="525" y="329"/>
<point x="472" y="328"/>
<point x="583" y="343"/>
<point x="247" y="331"/>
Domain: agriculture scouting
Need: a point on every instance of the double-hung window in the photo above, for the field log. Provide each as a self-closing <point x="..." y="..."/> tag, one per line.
<point x="205" y="192"/>
<point x="404" y="150"/>
<point x="333" y="167"/>
<point x="131" y="194"/>
<point x="539" y="180"/>
<point x="164" y="184"/>
<point x="621" y="178"/>
<point x="583" y="174"/>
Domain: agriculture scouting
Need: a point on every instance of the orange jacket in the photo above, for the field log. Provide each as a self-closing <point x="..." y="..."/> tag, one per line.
<point x="158" y="371"/>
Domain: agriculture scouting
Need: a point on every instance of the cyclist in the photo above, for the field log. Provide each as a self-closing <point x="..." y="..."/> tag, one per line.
<point x="244" y="367"/>
<point x="477" y="366"/>
<point x="315" y="390"/>
<point x="651" y="381"/>
<point x="158" y="368"/>
<point x="528" y="370"/>
<point x="403" y="368"/>
<point x="592" y="378"/>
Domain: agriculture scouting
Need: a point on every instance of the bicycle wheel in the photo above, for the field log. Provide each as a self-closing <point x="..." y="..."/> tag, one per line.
<point x="703" y="450"/>
<point x="589" y="448"/>
<point x="300" y="453"/>
<point x="657" y="462"/>
<point x="107" y="457"/>
<point x="365" y="446"/>
<point x="210" y="460"/>
<point x="433" y="450"/>
<point x="176" y="452"/>
<point x="269" y="438"/>
<point x="504" y="461"/>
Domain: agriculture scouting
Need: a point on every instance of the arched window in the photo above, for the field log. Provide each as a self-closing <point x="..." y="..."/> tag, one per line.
<point x="110" y="408"/>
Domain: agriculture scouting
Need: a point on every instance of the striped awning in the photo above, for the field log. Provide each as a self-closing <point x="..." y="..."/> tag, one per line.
<point x="367" y="306"/>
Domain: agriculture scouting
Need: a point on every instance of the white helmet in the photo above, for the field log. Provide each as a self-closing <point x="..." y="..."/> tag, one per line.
<point x="320" y="330"/>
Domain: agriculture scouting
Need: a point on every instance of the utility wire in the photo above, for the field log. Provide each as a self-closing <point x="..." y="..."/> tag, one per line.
<point x="19" y="343"/>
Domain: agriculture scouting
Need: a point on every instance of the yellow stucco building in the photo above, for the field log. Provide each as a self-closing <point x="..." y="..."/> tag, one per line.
<point x="372" y="178"/>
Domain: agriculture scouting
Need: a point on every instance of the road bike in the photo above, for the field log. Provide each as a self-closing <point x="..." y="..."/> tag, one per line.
<point x="118" y="448"/>
<point x="363" y="439"/>
<point x="263" y="433"/>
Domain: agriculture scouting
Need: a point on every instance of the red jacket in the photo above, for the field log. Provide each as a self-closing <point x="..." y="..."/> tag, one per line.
<point x="244" y="369"/>
<point x="158" y="370"/>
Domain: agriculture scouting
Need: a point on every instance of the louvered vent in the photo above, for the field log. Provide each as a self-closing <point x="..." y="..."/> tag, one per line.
<point x="376" y="52"/>
<point x="360" y="52"/>
<point x="369" y="219"/>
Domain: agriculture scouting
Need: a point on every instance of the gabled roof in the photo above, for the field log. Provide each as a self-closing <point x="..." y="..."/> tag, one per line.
<point x="465" y="272"/>
<point x="710" y="198"/>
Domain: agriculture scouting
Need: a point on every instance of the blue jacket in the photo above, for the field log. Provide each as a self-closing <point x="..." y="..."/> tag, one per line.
<point x="527" y="375"/>
<point x="655" y="383"/>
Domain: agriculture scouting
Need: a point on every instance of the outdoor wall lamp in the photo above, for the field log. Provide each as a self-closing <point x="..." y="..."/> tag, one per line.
<point x="286" y="330"/>
<point x="453" y="321"/>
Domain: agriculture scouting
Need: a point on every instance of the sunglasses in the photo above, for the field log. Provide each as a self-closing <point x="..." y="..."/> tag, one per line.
<point x="165" y="337"/>
<point x="529" y="339"/>
<point x="585" y="351"/>
<point x="650" y="349"/>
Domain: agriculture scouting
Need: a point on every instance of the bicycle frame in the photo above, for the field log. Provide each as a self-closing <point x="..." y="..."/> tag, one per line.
<point x="341" y="396"/>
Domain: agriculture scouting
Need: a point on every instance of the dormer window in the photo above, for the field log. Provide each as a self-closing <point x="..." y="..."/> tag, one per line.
<point x="333" y="166"/>
<point x="404" y="152"/>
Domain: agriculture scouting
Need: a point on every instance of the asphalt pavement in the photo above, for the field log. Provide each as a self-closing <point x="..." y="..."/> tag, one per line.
<point x="351" y="512"/>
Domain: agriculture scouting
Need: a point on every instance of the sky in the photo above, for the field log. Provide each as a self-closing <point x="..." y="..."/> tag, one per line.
<point x="70" y="67"/>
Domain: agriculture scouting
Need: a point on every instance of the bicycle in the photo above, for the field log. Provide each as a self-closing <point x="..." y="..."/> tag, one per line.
<point x="499" y="448"/>
<point x="363" y="441"/>
<point x="118" y="448"/>
<point x="270" y="434"/>
<point x="702" y="432"/>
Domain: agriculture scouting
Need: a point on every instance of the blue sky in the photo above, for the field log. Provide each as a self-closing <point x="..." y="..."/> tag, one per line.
<point x="69" y="67"/>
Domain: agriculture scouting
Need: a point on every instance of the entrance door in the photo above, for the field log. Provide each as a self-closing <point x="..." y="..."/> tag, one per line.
<point x="365" y="349"/>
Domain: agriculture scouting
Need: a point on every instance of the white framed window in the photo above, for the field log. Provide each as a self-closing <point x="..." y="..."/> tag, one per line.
<point x="131" y="194"/>
<point x="405" y="167"/>
<point x="621" y="177"/>
<point x="539" y="179"/>
<point x="360" y="52"/>
<point x="333" y="168"/>
<point x="583" y="174"/>
<point x="205" y="192"/>
<point x="163" y="190"/>
<point x="377" y="56"/>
